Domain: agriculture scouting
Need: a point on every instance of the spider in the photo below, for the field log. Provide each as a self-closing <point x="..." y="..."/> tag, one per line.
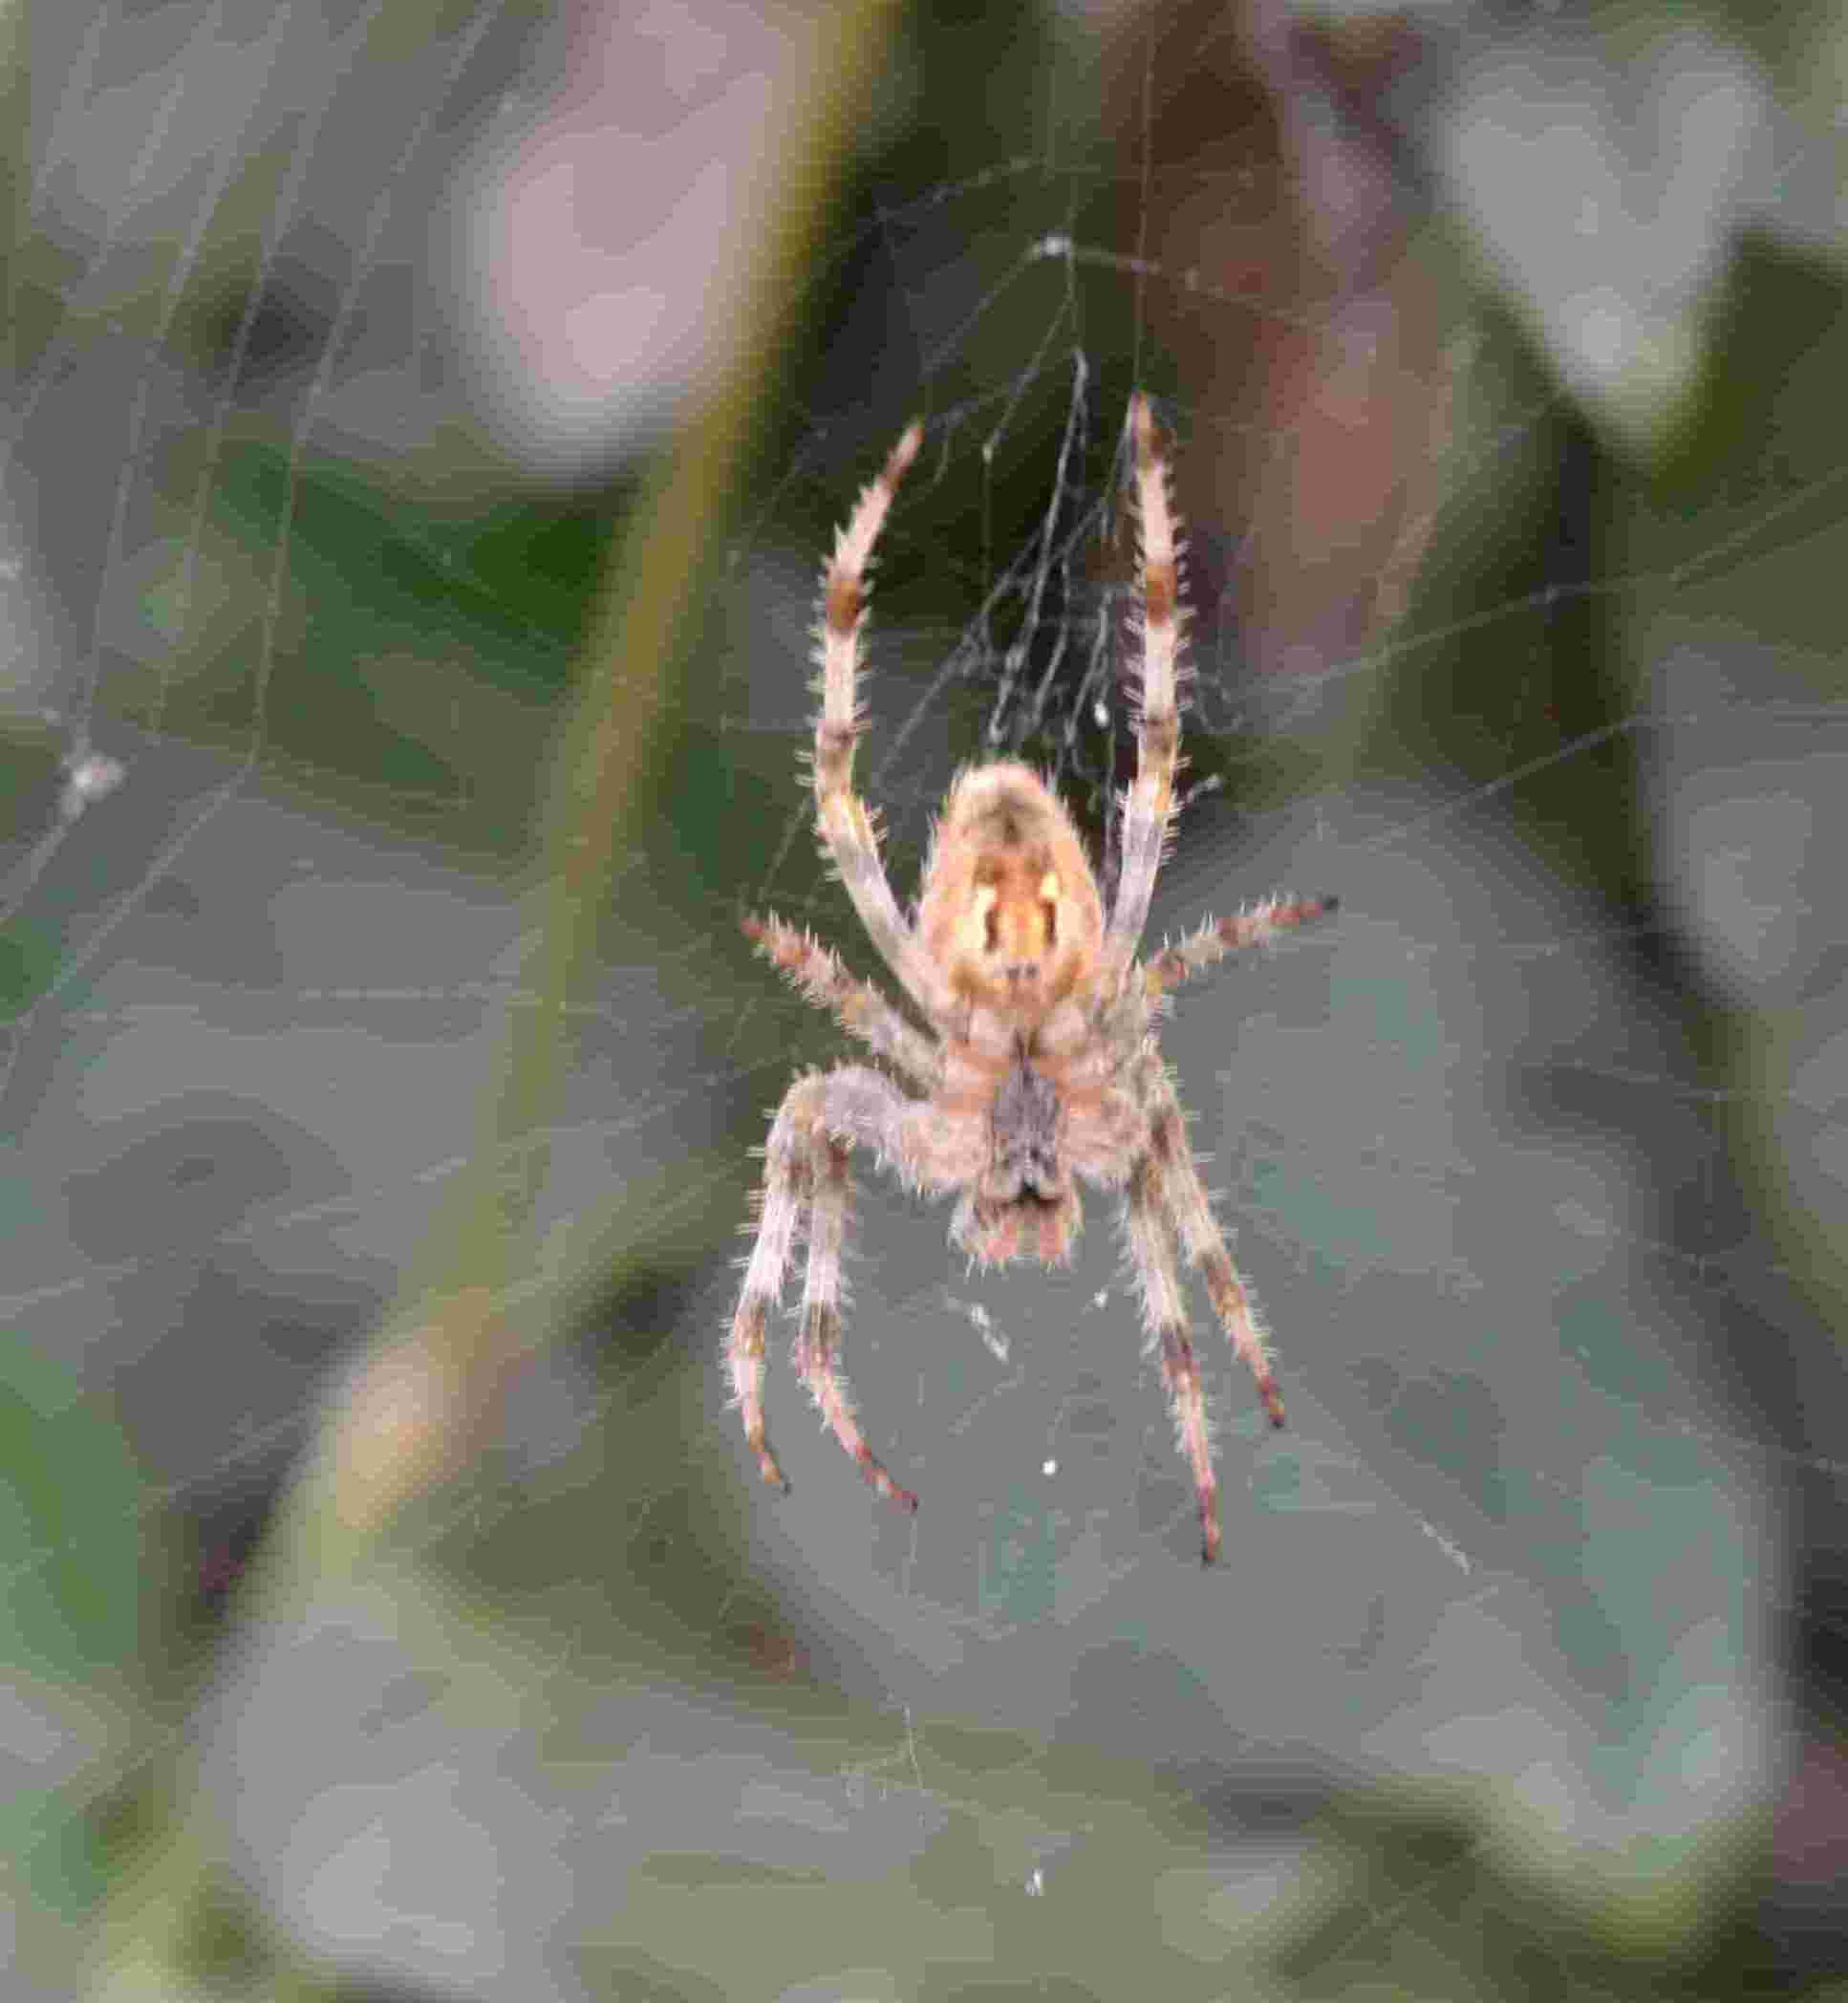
<point x="1041" y="1066"/>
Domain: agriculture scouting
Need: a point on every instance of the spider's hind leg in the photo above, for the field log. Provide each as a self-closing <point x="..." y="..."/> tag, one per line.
<point x="818" y="1344"/>
<point x="1206" y="1247"/>
<point x="822" y="1116"/>
<point x="788" y="1182"/>
<point x="1151" y="1251"/>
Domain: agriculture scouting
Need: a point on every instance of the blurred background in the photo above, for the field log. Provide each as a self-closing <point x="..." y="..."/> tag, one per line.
<point x="423" y="427"/>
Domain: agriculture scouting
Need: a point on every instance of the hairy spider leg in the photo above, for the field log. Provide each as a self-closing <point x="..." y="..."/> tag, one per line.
<point x="1149" y="807"/>
<point x="846" y="829"/>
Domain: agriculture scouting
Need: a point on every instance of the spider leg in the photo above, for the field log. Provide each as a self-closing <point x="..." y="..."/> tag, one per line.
<point x="846" y="827"/>
<point x="817" y="1345"/>
<point x="1152" y="1250"/>
<point x="858" y="1005"/>
<point x="804" y="1171"/>
<point x="1260" y="926"/>
<point x="1123" y="1019"/>
<point x="1150" y="807"/>
<point x="789" y="1179"/>
<point x="1185" y="1197"/>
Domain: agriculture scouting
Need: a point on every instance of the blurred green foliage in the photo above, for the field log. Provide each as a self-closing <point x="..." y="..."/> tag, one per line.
<point x="71" y="1612"/>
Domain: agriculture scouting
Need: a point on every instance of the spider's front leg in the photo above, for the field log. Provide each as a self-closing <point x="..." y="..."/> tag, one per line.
<point x="1150" y="807"/>
<point x="846" y="827"/>
<point x="822" y="1118"/>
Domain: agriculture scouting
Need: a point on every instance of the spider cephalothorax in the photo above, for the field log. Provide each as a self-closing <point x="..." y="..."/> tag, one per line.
<point x="1042" y="1065"/>
<point x="1009" y="910"/>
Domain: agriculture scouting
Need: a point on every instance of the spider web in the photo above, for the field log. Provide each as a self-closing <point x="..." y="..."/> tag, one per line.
<point x="1542" y="1269"/>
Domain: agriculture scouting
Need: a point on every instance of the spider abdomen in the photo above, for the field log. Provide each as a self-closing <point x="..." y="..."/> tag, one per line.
<point x="1023" y="1205"/>
<point x="1025" y="1129"/>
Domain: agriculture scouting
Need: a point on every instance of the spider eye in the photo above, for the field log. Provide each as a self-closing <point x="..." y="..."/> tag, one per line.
<point x="992" y="925"/>
<point x="1051" y="911"/>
